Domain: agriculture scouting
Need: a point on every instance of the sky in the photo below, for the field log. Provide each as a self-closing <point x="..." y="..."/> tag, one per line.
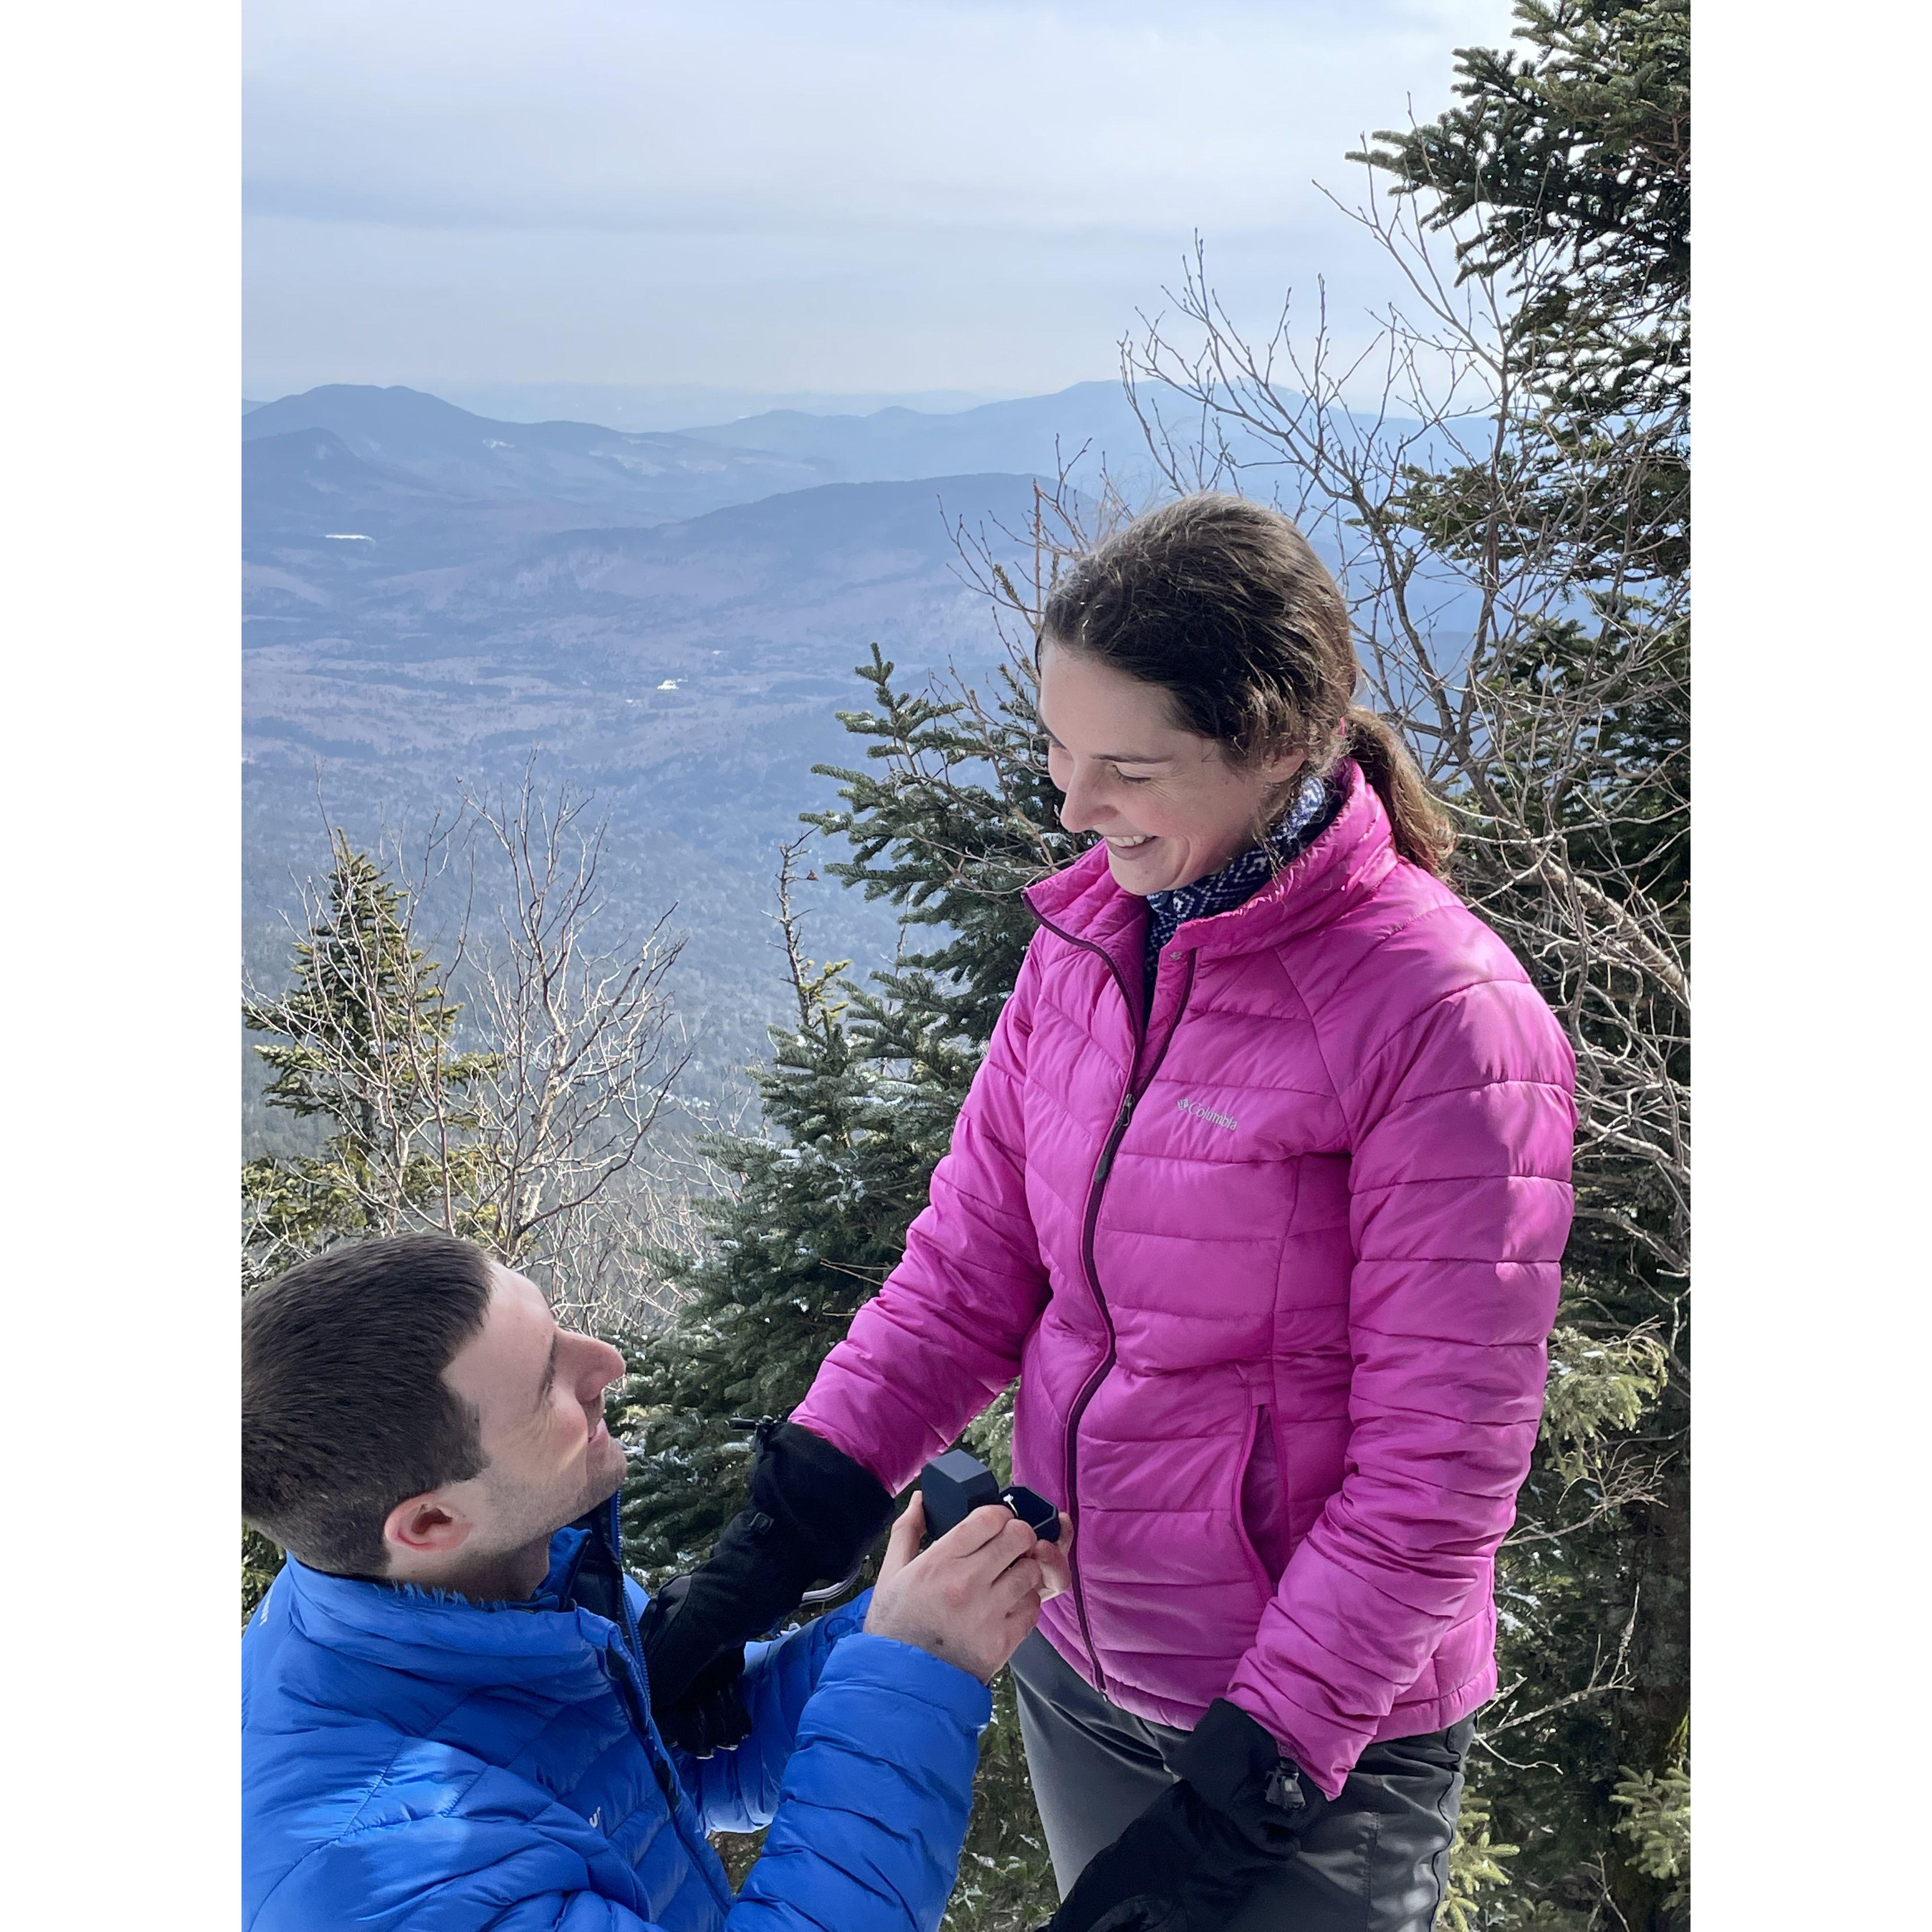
<point x="747" y="199"/>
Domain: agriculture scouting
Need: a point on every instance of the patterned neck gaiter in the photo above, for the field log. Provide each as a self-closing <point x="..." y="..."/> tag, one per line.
<point x="1240" y="878"/>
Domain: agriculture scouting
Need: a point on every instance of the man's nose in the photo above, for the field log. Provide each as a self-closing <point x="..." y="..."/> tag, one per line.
<point x="617" y="1365"/>
<point x="602" y="1366"/>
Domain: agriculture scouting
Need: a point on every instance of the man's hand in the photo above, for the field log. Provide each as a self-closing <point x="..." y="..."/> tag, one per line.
<point x="971" y="1598"/>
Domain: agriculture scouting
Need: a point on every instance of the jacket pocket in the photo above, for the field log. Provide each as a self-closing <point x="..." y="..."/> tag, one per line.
<point x="1260" y="1510"/>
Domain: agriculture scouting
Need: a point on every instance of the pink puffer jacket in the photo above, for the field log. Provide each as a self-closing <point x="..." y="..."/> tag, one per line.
<point x="1275" y="1266"/>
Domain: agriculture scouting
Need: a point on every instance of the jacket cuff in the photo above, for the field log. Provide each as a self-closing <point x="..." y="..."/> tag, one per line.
<point x="828" y="1505"/>
<point x="1324" y="1753"/>
<point x="862" y="1661"/>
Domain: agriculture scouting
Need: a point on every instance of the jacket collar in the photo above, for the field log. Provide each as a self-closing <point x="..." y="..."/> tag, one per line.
<point x="439" y="1635"/>
<point x="1245" y="874"/>
<point x="1350" y="859"/>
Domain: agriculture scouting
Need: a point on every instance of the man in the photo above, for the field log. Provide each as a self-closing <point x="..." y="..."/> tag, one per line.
<point x="447" y="1715"/>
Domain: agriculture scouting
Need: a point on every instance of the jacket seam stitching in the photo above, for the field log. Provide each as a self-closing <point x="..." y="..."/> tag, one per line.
<point x="1534" y="1082"/>
<point x="1454" y="1181"/>
<point x="1422" y="1014"/>
<point x="353" y="1830"/>
<point x="1465" y="1260"/>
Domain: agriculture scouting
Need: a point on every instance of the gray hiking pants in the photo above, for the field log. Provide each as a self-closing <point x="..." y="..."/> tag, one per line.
<point x="1376" y="1861"/>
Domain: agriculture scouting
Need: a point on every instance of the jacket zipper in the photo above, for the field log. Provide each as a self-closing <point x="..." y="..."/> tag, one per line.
<point x="628" y="1674"/>
<point x="1129" y="1097"/>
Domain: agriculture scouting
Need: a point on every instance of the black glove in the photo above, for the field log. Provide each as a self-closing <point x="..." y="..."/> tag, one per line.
<point x="711" y="1715"/>
<point x="812" y="1513"/>
<point x="1194" y="1855"/>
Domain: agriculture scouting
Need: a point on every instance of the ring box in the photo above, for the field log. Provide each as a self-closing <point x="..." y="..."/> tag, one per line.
<point x="955" y="1484"/>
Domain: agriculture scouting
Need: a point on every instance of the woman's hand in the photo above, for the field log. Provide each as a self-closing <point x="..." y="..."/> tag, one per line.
<point x="1055" y="1562"/>
<point x="1191" y="1860"/>
<point x="970" y="1600"/>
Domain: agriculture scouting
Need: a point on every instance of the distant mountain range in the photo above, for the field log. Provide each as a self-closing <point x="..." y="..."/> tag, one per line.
<point x="643" y="476"/>
<point x="670" y="620"/>
<point x="1035" y="434"/>
<point x="428" y="601"/>
<point x="639" y="476"/>
<point x="676" y="405"/>
<point x="629" y="476"/>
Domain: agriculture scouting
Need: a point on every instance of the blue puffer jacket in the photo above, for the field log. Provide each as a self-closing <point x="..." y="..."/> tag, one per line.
<point x="416" y="1760"/>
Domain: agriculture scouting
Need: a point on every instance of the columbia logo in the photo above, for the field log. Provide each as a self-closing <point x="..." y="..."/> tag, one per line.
<point x="1208" y="1114"/>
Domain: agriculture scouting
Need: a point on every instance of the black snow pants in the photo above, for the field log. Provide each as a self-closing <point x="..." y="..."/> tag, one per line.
<point x="1377" y="1860"/>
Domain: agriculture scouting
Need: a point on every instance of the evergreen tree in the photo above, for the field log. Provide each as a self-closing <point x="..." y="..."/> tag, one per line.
<point x="1565" y="174"/>
<point x="361" y="1039"/>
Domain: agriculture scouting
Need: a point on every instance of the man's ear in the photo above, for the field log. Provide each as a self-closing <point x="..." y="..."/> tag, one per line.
<point x="431" y="1525"/>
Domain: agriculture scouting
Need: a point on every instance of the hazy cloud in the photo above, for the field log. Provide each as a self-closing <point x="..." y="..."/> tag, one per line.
<point x="862" y="196"/>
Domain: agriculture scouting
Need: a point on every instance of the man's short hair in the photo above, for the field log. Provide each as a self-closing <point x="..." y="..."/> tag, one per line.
<point x="344" y="1410"/>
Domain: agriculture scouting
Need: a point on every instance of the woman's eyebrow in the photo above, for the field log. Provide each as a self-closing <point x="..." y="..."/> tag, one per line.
<point x="1116" y="757"/>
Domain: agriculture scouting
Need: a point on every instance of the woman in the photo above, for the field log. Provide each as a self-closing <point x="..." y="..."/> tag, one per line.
<point x="1261" y="1191"/>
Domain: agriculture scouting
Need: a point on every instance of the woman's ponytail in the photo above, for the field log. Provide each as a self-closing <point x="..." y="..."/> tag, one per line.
<point x="1424" y="833"/>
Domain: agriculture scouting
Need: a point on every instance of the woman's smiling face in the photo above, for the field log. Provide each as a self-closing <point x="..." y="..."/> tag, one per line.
<point x="1171" y="806"/>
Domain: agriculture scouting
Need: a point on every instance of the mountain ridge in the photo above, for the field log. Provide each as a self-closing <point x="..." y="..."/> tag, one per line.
<point x="634" y="472"/>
